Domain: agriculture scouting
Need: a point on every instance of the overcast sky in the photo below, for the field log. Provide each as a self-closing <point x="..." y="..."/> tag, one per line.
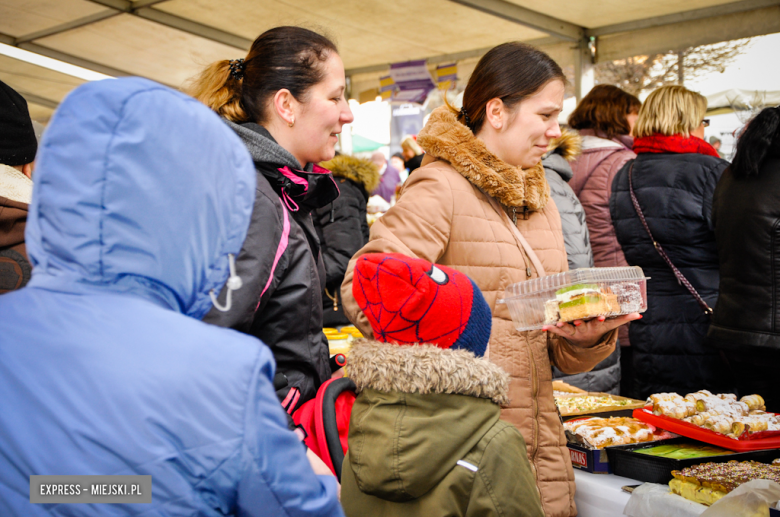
<point x="757" y="69"/>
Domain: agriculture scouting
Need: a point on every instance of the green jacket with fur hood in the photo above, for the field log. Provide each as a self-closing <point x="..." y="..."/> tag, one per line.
<point x="425" y="437"/>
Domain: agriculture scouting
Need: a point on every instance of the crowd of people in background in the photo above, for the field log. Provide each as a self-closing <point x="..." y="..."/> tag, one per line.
<point x="166" y="281"/>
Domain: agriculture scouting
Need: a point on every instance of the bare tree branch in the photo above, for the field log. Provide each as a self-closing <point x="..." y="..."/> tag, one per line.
<point x="641" y="73"/>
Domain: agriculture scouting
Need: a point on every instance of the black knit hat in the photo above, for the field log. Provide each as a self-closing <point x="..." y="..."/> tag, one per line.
<point x="17" y="136"/>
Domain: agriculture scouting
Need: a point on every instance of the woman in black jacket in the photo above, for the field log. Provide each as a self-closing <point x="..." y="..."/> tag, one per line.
<point x="342" y="228"/>
<point x="746" y="214"/>
<point x="674" y="177"/>
<point x="286" y="102"/>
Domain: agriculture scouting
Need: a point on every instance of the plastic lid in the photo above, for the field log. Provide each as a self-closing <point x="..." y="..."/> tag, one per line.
<point x="336" y="337"/>
<point x="328" y="330"/>
<point x="576" y="276"/>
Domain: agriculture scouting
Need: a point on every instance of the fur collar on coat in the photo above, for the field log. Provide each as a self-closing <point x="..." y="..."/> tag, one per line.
<point x="361" y="171"/>
<point x="445" y="138"/>
<point x="425" y="369"/>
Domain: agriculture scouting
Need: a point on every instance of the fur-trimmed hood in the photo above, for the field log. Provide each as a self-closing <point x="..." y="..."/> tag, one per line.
<point x="425" y="369"/>
<point x="568" y="145"/>
<point x="445" y="138"/>
<point x="361" y="171"/>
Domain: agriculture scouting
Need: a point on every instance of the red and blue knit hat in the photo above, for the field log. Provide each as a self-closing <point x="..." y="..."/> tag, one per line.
<point x="409" y="300"/>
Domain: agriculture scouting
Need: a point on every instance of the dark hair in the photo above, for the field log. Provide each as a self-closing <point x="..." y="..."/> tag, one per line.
<point x="760" y="140"/>
<point x="398" y="155"/>
<point x="280" y="58"/>
<point x="510" y="72"/>
<point x="604" y="109"/>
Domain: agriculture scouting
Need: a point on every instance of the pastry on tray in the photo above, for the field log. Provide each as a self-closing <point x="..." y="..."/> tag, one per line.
<point x="603" y="432"/>
<point x="721" y="413"/>
<point x="569" y="405"/>
<point x="708" y="482"/>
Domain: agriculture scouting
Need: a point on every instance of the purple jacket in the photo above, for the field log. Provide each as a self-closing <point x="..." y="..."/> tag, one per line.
<point x="594" y="170"/>
<point x="387" y="185"/>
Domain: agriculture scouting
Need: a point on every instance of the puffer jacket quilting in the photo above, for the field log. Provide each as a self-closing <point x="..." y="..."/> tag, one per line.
<point x="594" y="170"/>
<point x="675" y="192"/>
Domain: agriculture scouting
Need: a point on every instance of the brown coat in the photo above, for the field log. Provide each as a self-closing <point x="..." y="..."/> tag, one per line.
<point x="444" y="216"/>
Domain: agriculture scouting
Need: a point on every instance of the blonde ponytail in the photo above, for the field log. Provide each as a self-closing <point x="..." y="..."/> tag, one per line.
<point x="219" y="90"/>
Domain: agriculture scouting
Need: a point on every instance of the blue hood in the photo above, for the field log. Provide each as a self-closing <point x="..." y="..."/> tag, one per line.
<point x="142" y="190"/>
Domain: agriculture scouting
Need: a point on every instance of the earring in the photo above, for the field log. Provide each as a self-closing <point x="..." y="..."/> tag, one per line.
<point x="291" y="124"/>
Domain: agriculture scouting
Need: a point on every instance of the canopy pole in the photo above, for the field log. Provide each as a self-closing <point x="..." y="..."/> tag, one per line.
<point x="583" y="68"/>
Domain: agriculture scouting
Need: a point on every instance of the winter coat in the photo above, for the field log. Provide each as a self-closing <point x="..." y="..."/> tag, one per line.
<point x="389" y="180"/>
<point x="594" y="171"/>
<point x="746" y="216"/>
<point x="675" y="193"/>
<point x="444" y="216"/>
<point x="425" y="437"/>
<point x="104" y="366"/>
<point x="558" y="173"/>
<point x="342" y="228"/>
<point x="15" y="196"/>
<point x="283" y="278"/>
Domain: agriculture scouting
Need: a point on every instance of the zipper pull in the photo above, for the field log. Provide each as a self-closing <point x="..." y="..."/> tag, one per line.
<point x="514" y="215"/>
<point x="528" y="271"/>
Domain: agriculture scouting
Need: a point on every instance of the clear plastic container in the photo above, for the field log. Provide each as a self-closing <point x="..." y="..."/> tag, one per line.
<point x="578" y="294"/>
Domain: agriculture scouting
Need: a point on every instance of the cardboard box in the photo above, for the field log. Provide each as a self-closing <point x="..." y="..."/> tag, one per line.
<point x="589" y="460"/>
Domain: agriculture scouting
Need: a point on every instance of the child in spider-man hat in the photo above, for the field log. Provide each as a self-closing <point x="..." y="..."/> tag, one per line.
<point x="425" y="437"/>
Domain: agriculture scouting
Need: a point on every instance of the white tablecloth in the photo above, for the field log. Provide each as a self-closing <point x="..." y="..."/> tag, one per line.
<point x="599" y="495"/>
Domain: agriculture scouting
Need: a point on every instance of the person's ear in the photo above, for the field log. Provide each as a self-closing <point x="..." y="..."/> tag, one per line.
<point x="27" y="169"/>
<point x="285" y="106"/>
<point x="495" y="113"/>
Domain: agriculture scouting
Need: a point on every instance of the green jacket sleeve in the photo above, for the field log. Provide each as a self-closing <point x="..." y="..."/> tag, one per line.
<point x="504" y="484"/>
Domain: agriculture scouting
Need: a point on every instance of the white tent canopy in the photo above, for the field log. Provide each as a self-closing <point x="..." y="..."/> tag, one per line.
<point x="171" y="40"/>
<point x="741" y="101"/>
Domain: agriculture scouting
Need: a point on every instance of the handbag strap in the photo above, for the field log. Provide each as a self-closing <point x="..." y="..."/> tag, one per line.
<point x="520" y="239"/>
<point x="680" y="277"/>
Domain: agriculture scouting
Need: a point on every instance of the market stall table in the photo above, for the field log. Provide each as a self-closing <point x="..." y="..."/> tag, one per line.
<point x="600" y="495"/>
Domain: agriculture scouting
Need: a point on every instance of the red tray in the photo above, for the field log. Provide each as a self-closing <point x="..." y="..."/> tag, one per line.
<point x="755" y="442"/>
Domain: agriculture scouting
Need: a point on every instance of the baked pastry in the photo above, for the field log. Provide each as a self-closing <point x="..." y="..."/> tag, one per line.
<point x="672" y="405"/>
<point x="551" y="313"/>
<point x="569" y="405"/>
<point x="721" y="413"/>
<point x="629" y="296"/>
<point x="754" y="402"/>
<point x="581" y="301"/>
<point x="603" y="432"/>
<point x="708" y="482"/>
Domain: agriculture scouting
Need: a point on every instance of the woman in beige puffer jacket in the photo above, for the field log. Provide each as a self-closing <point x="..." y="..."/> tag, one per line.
<point x="457" y="210"/>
